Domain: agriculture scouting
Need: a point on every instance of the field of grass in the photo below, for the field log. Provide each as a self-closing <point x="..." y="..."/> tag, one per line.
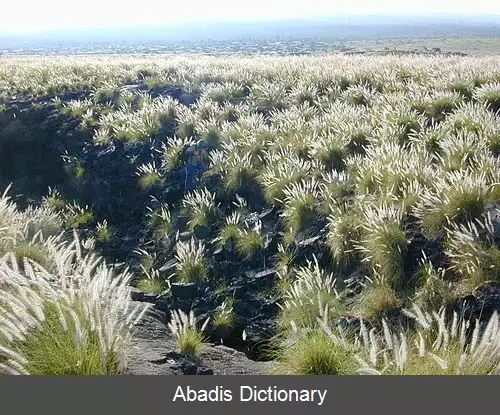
<point x="386" y="169"/>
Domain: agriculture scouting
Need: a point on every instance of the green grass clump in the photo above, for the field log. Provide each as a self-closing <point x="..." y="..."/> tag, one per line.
<point x="376" y="300"/>
<point x="201" y="207"/>
<point x="31" y="251"/>
<point x="385" y="242"/>
<point x="433" y="291"/>
<point x="77" y="216"/>
<point x="103" y="231"/>
<point x="161" y="221"/>
<point x="344" y="234"/>
<point x="148" y="176"/>
<point x="311" y="291"/>
<point x="316" y="354"/>
<point x="151" y="285"/>
<point x="230" y="230"/>
<point x="458" y="198"/>
<point x="300" y="204"/>
<point x="190" y="339"/>
<point x="58" y="350"/>
<point x="489" y="95"/>
<point x="190" y="262"/>
<point x="224" y="315"/>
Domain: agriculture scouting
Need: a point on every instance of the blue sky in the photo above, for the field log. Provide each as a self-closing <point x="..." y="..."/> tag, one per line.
<point x="36" y="15"/>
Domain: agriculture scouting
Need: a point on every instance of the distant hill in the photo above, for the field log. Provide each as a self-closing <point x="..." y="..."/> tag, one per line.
<point x="338" y="27"/>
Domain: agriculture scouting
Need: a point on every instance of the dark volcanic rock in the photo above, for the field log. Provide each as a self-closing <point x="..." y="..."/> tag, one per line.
<point x="184" y="290"/>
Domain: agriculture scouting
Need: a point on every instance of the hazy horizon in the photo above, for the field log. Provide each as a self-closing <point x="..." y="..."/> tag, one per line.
<point x="32" y="16"/>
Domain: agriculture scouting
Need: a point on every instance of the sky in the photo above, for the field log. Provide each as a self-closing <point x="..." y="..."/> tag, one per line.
<point x="39" y="15"/>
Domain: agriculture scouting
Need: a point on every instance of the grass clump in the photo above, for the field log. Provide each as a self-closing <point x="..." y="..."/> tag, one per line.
<point x="344" y="234"/>
<point x="224" y="315"/>
<point x="190" y="339"/>
<point x="489" y="95"/>
<point x="52" y="329"/>
<point x="149" y="175"/>
<point x="201" y="208"/>
<point x="433" y="291"/>
<point x="377" y="299"/>
<point x="161" y="221"/>
<point x="103" y="231"/>
<point x="385" y="242"/>
<point x="472" y="252"/>
<point x="75" y="215"/>
<point x="230" y="230"/>
<point x="459" y="197"/>
<point x="440" y="346"/>
<point x="316" y="354"/>
<point x="311" y="292"/>
<point x="249" y="241"/>
<point x="190" y="262"/>
<point x="300" y="204"/>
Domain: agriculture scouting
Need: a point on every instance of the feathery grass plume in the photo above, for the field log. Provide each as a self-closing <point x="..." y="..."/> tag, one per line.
<point x="75" y="320"/>
<point x="230" y="230"/>
<point x="153" y="283"/>
<point x="385" y="242"/>
<point x="300" y="204"/>
<point x="76" y="215"/>
<point x="345" y="232"/>
<point x="336" y="190"/>
<point x="171" y="152"/>
<point x="330" y="151"/>
<point x="315" y="353"/>
<point x="190" y="263"/>
<point x="239" y="172"/>
<point x="187" y="123"/>
<point x="201" y="208"/>
<point x="54" y="200"/>
<point x="103" y="231"/>
<point x="438" y="347"/>
<point x="433" y="291"/>
<point x="462" y="151"/>
<point x="249" y="241"/>
<point x="312" y="292"/>
<point x="224" y="314"/>
<point x="489" y="95"/>
<point x="456" y="197"/>
<point x="268" y="96"/>
<point x="161" y="221"/>
<point x="442" y="104"/>
<point x="472" y="251"/>
<point x="149" y="175"/>
<point x="282" y="170"/>
<point x="359" y="95"/>
<point x="190" y="339"/>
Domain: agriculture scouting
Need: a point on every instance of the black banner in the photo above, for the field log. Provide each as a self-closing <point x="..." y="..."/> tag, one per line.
<point x="248" y="394"/>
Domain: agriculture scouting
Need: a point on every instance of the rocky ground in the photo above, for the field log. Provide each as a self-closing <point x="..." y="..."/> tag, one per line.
<point x="154" y="353"/>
